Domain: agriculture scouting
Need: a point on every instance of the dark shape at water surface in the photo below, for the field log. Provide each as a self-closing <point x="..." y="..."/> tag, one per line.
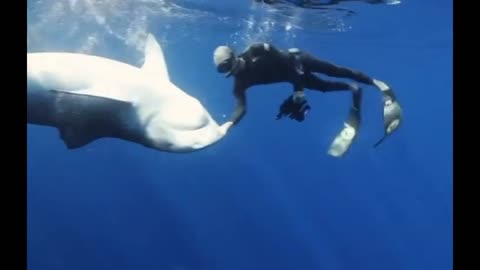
<point x="313" y="4"/>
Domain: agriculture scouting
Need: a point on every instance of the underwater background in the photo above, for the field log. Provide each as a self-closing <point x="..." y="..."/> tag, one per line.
<point x="268" y="196"/>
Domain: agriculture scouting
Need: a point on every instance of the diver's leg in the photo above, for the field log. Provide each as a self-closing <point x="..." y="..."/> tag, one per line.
<point x="344" y="139"/>
<point x="314" y="64"/>
<point x="313" y="82"/>
<point x="392" y="112"/>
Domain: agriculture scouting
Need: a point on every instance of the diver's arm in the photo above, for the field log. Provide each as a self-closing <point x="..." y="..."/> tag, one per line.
<point x="240" y="108"/>
<point x="241" y="103"/>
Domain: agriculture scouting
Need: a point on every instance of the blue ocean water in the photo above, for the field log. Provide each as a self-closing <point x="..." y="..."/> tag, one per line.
<point x="267" y="196"/>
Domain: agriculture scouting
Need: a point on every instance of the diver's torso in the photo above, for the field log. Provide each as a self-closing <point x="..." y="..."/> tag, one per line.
<point x="266" y="69"/>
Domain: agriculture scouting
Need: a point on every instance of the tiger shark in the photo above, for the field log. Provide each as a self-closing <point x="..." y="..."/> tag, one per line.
<point x="88" y="97"/>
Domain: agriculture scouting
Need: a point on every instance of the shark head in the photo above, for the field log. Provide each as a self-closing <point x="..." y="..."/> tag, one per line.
<point x="177" y="120"/>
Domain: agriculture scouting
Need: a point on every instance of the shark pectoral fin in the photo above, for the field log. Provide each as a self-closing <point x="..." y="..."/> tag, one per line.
<point x="155" y="64"/>
<point x="83" y="118"/>
<point x="74" y="137"/>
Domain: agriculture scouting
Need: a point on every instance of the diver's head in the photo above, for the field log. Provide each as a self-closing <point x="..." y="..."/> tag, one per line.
<point x="225" y="60"/>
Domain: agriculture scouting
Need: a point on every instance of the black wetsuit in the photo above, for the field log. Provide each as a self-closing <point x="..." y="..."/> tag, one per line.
<point x="265" y="64"/>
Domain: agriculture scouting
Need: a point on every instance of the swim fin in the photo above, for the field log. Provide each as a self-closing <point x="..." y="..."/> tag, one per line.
<point x="392" y="114"/>
<point x="344" y="139"/>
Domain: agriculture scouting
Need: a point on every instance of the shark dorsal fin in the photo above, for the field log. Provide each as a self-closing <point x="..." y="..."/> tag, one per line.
<point x="154" y="59"/>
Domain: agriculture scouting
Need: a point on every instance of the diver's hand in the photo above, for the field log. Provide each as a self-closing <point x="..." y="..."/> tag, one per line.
<point x="225" y="127"/>
<point x="285" y="108"/>
<point x="301" y="111"/>
<point x="294" y="108"/>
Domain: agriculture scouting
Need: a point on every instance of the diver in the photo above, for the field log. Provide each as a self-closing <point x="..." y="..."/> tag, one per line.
<point x="262" y="63"/>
